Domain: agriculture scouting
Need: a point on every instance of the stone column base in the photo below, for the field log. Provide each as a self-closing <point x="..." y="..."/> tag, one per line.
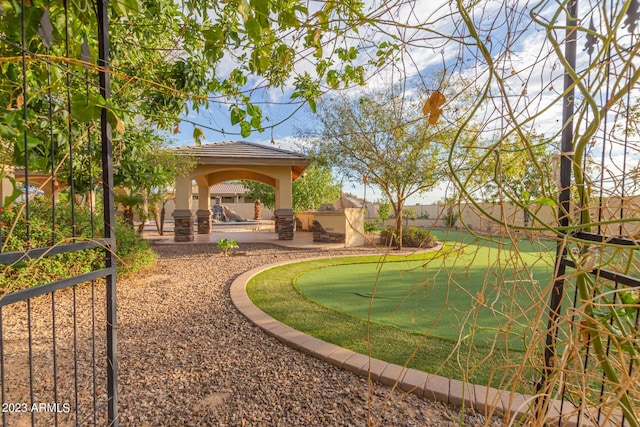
<point x="321" y="235"/>
<point x="204" y="221"/>
<point x="285" y="224"/>
<point x="183" y="229"/>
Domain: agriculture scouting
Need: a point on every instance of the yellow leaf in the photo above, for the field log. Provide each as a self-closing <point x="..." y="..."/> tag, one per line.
<point x="243" y="8"/>
<point x="19" y="101"/>
<point x="119" y="125"/>
<point x="316" y="37"/>
<point x="432" y="109"/>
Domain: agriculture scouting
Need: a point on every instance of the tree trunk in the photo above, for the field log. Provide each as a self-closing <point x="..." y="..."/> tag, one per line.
<point x="128" y="215"/>
<point x="399" y="225"/>
<point x="162" y="215"/>
<point x="156" y="217"/>
<point x="143" y="211"/>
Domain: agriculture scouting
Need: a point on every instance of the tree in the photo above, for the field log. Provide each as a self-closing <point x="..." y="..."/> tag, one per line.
<point x="165" y="62"/>
<point x="145" y="166"/>
<point x="517" y="168"/>
<point x="315" y="187"/>
<point x="384" y="139"/>
<point x="384" y="209"/>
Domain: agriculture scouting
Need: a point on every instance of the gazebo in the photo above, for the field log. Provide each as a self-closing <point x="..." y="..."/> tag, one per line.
<point x="239" y="160"/>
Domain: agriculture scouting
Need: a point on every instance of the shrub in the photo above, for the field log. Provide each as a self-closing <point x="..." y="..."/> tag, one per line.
<point x="370" y="227"/>
<point x="225" y="245"/>
<point x="47" y="229"/>
<point x="450" y="217"/>
<point x="412" y="237"/>
<point x="133" y="252"/>
<point x="384" y="209"/>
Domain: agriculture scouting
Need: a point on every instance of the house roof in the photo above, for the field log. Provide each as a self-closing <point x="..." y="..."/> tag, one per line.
<point x="222" y="152"/>
<point x="225" y="188"/>
<point x="245" y="153"/>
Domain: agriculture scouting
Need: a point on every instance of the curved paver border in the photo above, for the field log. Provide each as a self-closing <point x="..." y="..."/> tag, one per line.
<point x="512" y="405"/>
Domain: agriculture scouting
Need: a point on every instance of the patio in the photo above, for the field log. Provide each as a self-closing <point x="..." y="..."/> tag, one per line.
<point x="243" y="234"/>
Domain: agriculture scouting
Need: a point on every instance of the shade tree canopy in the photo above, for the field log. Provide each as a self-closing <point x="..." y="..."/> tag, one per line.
<point x="385" y="139"/>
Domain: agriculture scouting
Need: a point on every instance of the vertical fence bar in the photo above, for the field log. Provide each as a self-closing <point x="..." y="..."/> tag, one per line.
<point x="108" y="204"/>
<point x="564" y="200"/>
<point x="75" y="354"/>
<point x="36" y="105"/>
<point x="55" y="355"/>
<point x="2" y="379"/>
<point x="25" y="133"/>
<point x="93" y="353"/>
<point x="30" y="346"/>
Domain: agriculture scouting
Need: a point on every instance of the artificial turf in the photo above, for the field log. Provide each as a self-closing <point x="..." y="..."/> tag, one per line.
<point x="488" y="292"/>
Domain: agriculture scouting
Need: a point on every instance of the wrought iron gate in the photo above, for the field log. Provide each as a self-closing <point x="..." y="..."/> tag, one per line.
<point x="58" y="363"/>
<point x="592" y="350"/>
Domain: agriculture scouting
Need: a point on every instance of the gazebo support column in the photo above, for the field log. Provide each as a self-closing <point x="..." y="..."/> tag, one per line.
<point x="204" y="221"/>
<point x="183" y="227"/>
<point x="204" y="203"/>
<point x="285" y="223"/>
<point x="183" y="218"/>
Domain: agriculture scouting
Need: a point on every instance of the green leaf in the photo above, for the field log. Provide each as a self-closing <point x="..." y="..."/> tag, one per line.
<point x="245" y="128"/>
<point x="544" y="201"/>
<point x="261" y="8"/>
<point x="254" y="30"/>
<point x="332" y="79"/>
<point x="312" y="105"/>
<point x="256" y="123"/>
<point x="19" y="265"/>
<point x="237" y="114"/>
<point x="85" y="109"/>
<point x="198" y="134"/>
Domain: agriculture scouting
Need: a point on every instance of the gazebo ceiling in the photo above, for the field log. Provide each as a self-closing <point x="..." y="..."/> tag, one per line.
<point x="243" y="153"/>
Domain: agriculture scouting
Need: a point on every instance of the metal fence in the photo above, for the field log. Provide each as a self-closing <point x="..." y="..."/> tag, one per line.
<point x="58" y="363"/>
<point x="591" y="371"/>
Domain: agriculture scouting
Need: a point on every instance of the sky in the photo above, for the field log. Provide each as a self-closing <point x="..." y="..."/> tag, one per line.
<point x="532" y="75"/>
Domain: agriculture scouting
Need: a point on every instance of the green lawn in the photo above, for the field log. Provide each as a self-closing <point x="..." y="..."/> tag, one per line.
<point x="470" y="287"/>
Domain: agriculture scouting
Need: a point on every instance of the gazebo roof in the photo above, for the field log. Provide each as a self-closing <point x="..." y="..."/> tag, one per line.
<point x="245" y="153"/>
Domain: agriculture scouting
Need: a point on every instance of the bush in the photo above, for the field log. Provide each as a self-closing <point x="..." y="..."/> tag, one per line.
<point x="132" y="251"/>
<point x="47" y="229"/>
<point x="412" y="237"/>
<point x="450" y="217"/>
<point x="370" y="227"/>
<point x="225" y="245"/>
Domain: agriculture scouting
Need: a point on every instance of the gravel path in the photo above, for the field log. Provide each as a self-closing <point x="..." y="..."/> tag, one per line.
<point x="187" y="357"/>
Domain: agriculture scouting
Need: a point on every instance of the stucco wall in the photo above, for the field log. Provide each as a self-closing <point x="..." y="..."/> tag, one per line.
<point x="354" y="219"/>
<point x="348" y="222"/>
<point x="484" y="218"/>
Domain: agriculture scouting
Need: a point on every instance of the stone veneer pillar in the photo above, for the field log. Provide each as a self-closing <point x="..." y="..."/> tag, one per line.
<point x="285" y="224"/>
<point x="204" y="221"/>
<point x="183" y="228"/>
